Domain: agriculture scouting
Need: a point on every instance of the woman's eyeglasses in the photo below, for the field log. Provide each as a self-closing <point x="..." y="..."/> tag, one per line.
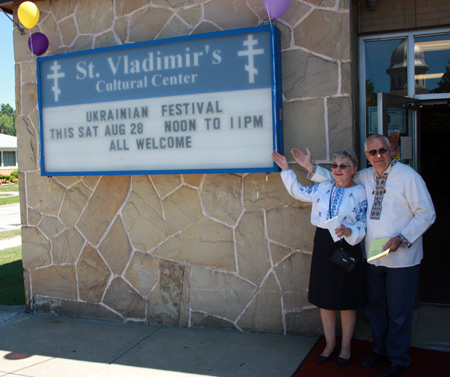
<point x="380" y="151"/>
<point x="341" y="166"/>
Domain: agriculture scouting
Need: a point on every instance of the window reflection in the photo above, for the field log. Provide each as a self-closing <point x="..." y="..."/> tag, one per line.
<point x="436" y="51"/>
<point x="399" y="66"/>
<point x="386" y="66"/>
<point x="382" y="65"/>
<point x="385" y="72"/>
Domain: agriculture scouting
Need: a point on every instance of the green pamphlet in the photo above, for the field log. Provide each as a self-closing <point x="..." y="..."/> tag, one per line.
<point x="376" y="249"/>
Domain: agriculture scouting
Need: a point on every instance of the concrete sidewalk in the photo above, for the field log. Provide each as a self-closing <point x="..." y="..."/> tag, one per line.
<point x="33" y="345"/>
<point x="10" y="242"/>
<point x="10" y="217"/>
<point x="42" y="345"/>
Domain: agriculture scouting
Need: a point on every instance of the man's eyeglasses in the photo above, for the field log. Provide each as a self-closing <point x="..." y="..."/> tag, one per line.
<point x="380" y="151"/>
<point x="341" y="166"/>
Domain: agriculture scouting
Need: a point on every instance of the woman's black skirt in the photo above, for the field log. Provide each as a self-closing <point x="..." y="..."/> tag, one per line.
<point x="329" y="286"/>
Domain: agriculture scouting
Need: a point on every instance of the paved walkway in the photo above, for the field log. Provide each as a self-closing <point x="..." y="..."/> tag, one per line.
<point x="35" y="345"/>
<point x="10" y="217"/>
<point x="42" y="345"/>
<point x="9" y="193"/>
<point x="10" y="242"/>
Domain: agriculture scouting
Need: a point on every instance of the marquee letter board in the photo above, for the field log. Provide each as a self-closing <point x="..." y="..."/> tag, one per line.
<point x="208" y="103"/>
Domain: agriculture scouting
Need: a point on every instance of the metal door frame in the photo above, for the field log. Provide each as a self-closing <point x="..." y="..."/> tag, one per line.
<point x="411" y="83"/>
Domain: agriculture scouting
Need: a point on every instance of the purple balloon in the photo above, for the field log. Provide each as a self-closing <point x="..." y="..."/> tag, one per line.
<point x="38" y="43"/>
<point x="276" y="8"/>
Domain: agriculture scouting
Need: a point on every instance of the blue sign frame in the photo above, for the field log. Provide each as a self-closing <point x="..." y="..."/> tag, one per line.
<point x="206" y="103"/>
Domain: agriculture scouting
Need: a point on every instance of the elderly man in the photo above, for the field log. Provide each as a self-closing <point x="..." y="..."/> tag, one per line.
<point x="399" y="208"/>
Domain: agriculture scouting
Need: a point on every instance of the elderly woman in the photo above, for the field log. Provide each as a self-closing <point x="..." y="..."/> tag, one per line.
<point x="331" y="288"/>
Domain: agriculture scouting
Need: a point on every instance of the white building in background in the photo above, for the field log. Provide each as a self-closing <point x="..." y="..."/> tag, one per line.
<point x="8" y="154"/>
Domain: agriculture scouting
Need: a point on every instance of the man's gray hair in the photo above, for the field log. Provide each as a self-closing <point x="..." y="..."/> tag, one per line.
<point x="347" y="153"/>
<point x="375" y="137"/>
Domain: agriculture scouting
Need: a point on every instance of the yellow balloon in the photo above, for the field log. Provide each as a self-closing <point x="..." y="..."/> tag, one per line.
<point x="28" y="14"/>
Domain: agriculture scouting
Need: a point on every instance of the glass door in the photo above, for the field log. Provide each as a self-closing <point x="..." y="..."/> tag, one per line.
<point x="396" y="70"/>
<point x="434" y="164"/>
<point x="396" y="119"/>
<point x="385" y="105"/>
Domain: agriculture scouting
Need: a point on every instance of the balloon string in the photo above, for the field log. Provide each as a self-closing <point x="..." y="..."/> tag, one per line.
<point x="31" y="44"/>
<point x="268" y="12"/>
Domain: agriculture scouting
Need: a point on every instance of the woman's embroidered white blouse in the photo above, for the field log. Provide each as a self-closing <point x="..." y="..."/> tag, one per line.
<point x="349" y="204"/>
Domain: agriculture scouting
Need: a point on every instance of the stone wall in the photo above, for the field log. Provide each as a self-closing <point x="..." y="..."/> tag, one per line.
<point x="229" y="251"/>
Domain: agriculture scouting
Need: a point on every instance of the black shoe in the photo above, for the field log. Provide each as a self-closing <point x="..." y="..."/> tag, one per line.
<point x="392" y="370"/>
<point x="372" y="360"/>
<point x="324" y="359"/>
<point x="343" y="362"/>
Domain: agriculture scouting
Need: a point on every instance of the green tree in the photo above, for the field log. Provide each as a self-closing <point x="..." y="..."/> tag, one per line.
<point x="371" y="95"/>
<point x="8" y="119"/>
<point x="443" y="86"/>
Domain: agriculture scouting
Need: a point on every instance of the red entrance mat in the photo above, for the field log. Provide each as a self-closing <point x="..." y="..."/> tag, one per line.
<point x="424" y="363"/>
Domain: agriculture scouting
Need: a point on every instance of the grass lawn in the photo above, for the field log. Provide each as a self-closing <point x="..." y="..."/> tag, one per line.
<point x="5" y="197"/>
<point x="9" y="200"/>
<point x="13" y="187"/>
<point x="9" y="234"/>
<point x="11" y="270"/>
<point x="11" y="277"/>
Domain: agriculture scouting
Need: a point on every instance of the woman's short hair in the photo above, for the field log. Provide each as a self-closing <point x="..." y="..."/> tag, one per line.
<point x="347" y="153"/>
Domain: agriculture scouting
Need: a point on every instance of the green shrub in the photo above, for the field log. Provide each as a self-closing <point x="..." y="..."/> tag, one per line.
<point x="13" y="178"/>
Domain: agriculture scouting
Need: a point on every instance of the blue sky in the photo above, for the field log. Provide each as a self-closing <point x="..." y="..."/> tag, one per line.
<point x="7" y="74"/>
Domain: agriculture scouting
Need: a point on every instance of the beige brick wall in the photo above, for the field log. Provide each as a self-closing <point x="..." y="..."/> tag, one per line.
<point x="396" y="15"/>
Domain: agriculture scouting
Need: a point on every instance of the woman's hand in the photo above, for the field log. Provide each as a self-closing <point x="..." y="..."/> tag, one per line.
<point x="303" y="159"/>
<point x="280" y="160"/>
<point x="343" y="231"/>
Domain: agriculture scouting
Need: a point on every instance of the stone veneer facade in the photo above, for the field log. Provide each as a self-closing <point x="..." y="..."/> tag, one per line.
<point x="227" y="251"/>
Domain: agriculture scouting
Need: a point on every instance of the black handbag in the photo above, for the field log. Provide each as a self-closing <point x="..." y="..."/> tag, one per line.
<point x="340" y="257"/>
<point x="343" y="259"/>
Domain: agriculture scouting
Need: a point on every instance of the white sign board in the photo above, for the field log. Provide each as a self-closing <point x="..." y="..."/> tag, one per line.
<point x="204" y="103"/>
